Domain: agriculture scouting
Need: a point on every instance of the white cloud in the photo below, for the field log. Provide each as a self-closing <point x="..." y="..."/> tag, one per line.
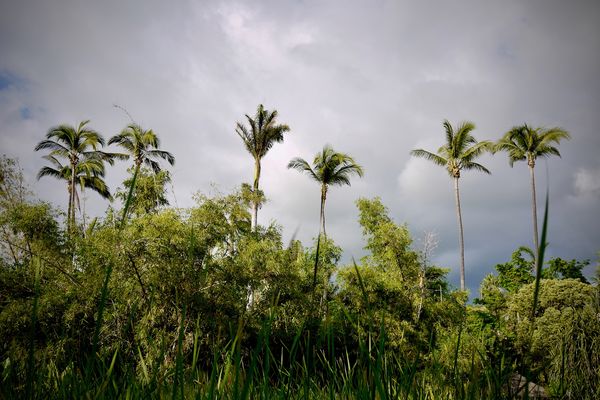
<point x="587" y="182"/>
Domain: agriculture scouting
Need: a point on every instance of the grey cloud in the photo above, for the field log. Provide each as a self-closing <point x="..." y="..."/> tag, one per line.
<point x="374" y="79"/>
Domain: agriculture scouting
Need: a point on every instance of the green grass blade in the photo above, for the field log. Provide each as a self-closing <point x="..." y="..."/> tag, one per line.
<point x="29" y="388"/>
<point x="540" y="262"/>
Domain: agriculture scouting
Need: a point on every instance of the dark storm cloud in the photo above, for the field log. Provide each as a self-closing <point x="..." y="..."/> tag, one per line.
<point x="374" y="79"/>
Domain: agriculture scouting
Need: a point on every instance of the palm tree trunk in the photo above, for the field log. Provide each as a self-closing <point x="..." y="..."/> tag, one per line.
<point x="322" y="214"/>
<point x="69" y="186"/>
<point x="322" y="303"/>
<point x="534" y="211"/>
<point x="461" y="241"/>
<point x="72" y="208"/>
<point x="255" y="192"/>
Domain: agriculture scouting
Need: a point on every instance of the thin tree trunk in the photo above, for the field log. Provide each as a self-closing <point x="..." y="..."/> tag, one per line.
<point x="322" y="230"/>
<point x="70" y="205"/>
<point x="460" y="235"/>
<point x="139" y="277"/>
<point x="82" y="210"/>
<point x="421" y="292"/>
<point x="255" y="193"/>
<point x="72" y="216"/>
<point x="322" y="214"/>
<point x="10" y="247"/>
<point x="534" y="211"/>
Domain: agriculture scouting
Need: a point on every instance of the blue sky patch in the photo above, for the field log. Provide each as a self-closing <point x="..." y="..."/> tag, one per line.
<point x="25" y="113"/>
<point x="8" y="80"/>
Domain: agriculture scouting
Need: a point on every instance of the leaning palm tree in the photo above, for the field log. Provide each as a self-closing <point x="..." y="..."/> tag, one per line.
<point x="79" y="146"/>
<point x="457" y="154"/>
<point x="527" y="143"/>
<point x="329" y="168"/>
<point x="142" y="145"/>
<point x="260" y="135"/>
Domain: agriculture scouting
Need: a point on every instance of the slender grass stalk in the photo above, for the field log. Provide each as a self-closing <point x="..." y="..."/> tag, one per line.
<point x="102" y="389"/>
<point x="540" y="261"/>
<point x="314" y="284"/>
<point x="101" y="306"/>
<point x="129" y="197"/>
<point x="178" y="381"/>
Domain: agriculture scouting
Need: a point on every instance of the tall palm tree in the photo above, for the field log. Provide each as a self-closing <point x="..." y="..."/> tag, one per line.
<point x="260" y="135"/>
<point x="457" y="154"/>
<point x="85" y="163"/>
<point x="142" y="145"/>
<point x="329" y="168"/>
<point x="527" y="143"/>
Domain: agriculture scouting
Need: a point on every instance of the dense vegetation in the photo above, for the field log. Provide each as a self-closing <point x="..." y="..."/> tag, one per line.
<point x="204" y="302"/>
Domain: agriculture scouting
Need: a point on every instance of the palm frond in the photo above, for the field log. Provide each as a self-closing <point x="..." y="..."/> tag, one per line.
<point x="52" y="145"/>
<point x="301" y="165"/>
<point x="262" y="132"/>
<point x="477" y="150"/>
<point x="48" y="171"/>
<point x="473" y="165"/>
<point x="165" y="155"/>
<point x="524" y="141"/>
<point x="437" y="159"/>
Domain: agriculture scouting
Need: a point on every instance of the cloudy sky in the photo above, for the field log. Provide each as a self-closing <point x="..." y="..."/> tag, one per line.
<point x="374" y="79"/>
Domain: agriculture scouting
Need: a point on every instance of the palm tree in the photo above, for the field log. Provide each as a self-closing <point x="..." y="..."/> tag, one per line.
<point x="142" y="145"/>
<point x="260" y="135"/>
<point x="329" y="168"/>
<point x="89" y="174"/>
<point x="85" y="163"/>
<point x="457" y="154"/>
<point x="527" y="143"/>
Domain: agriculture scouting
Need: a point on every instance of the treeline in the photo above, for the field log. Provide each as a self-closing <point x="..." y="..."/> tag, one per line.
<point x="204" y="302"/>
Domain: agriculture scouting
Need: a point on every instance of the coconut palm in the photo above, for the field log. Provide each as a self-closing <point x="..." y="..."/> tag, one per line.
<point x="89" y="174"/>
<point x="329" y="168"/>
<point x="142" y="145"/>
<point x="260" y="135"/>
<point x="459" y="153"/>
<point x="85" y="163"/>
<point x="527" y="143"/>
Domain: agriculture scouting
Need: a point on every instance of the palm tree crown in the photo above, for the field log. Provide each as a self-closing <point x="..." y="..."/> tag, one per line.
<point x="526" y="143"/>
<point x="459" y="153"/>
<point x="329" y="168"/>
<point x="89" y="174"/>
<point x="262" y="132"/>
<point x="142" y="145"/>
<point x="456" y="155"/>
<point x="80" y="148"/>
<point x="260" y="135"/>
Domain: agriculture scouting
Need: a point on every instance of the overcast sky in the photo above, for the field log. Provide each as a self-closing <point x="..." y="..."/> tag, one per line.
<point x="374" y="79"/>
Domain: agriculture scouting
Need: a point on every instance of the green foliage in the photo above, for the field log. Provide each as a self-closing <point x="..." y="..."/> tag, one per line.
<point x="563" y="269"/>
<point x="565" y="333"/>
<point x="518" y="271"/>
<point x="150" y="191"/>
<point x="388" y="243"/>
<point x="194" y="303"/>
